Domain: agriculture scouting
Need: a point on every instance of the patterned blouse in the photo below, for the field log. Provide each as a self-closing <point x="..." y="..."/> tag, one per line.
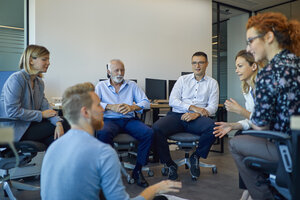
<point x="278" y="92"/>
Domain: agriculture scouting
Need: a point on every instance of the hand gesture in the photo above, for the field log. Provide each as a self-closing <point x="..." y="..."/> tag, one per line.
<point x="59" y="130"/>
<point x="125" y="108"/>
<point x="48" y="113"/>
<point x="189" y="116"/>
<point x="222" y="129"/>
<point x="233" y="106"/>
<point x="169" y="186"/>
<point x="202" y="111"/>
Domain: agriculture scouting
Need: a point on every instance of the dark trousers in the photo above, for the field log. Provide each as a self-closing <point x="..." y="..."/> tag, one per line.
<point x="133" y="127"/>
<point x="43" y="131"/>
<point x="172" y="123"/>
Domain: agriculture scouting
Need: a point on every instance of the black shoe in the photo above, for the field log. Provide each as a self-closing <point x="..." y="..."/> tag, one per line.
<point x="139" y="179"/>
<point x="194" y="170"/>
<point x="173" y="172"/>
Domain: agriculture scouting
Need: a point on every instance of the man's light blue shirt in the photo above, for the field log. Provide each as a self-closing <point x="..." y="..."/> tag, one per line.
<point x="188" y="91"/>
<point x="77" y="166"/>
<point x="129" y="93"/>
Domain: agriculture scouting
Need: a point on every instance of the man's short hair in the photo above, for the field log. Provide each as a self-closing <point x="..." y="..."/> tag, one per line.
<point x="200" y="53"/>
<point x="74" y="98"/>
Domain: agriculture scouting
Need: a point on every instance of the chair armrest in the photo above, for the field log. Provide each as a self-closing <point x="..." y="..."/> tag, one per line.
<point x="30" y="146"/>
<point x="267" y="134"/>
<point x="7" y="119"/>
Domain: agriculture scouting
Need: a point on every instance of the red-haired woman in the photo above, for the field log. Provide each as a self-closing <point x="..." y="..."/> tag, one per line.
<point x="273" y="37"/>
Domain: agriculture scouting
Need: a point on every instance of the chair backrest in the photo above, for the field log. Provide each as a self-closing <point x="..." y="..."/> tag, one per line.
<point x="3" y="77"/>
<point x="295" y="127"/>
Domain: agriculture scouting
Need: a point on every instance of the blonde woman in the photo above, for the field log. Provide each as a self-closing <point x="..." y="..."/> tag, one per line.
<point x="23" y="99"/>
<point x="246" y="69"/>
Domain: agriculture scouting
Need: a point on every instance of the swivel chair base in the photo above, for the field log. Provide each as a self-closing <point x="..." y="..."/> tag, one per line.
<point x="186" y="161"/>
<point x="124" y="143"/>
<point x="6" y="186"/>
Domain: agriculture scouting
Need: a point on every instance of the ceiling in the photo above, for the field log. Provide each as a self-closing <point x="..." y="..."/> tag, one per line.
<point x="227" y="12"/>
<point x="253" y="5"/>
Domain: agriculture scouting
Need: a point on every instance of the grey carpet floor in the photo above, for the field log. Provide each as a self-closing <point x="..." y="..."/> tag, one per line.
<point x="209" y="186"/>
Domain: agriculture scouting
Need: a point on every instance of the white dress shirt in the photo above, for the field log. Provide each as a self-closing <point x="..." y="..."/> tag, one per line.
<point x="249" y="98"/>
<point x="188" y="91"/>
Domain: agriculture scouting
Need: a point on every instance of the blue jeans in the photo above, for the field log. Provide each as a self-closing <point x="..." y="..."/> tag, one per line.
<point x="172" y="123"/>
<point x="133" y="127"/>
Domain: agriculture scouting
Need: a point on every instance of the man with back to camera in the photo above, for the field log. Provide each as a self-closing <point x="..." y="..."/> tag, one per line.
<point x="117" y="98"/>
<point x="193" y="99"/>
<point x="77" y="165"/>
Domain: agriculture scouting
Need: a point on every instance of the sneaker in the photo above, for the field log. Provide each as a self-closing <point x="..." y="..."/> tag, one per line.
<point x="173" y="172"/>
<point x="195" y="169"/>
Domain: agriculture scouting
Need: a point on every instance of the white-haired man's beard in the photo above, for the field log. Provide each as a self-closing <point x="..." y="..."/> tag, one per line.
<point x="117" y="79"/>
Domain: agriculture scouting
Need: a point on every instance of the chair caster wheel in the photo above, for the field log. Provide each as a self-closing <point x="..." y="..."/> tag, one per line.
<point x="214" y="170"/>
<point x="150" y="173"/>
<point x="130" y="180"/>
<point x="164" y="171"/>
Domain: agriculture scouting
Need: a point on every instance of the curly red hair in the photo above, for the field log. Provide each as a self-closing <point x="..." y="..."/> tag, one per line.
<point x="287" y="32"/>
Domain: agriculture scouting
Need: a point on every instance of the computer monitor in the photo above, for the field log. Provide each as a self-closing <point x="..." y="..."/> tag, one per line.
<point x="156" y="88"/>
<point x="171" y="85"/>
<point x="102" y="79"/>
<point x="185" y="73"/>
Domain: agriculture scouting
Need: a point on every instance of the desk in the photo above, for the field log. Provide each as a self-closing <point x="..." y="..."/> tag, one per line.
<point x="155" y="109"/>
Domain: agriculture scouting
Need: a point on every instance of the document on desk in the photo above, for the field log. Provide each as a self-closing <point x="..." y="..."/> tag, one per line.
<point x="172" y="197"/>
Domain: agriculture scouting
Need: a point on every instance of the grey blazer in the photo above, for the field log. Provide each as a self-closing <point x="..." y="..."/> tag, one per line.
<point x="22" y="104"/>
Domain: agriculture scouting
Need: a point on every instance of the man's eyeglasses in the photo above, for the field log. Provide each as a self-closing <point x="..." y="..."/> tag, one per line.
<point x="251" y="39"/>
<point x="199" y="63"/>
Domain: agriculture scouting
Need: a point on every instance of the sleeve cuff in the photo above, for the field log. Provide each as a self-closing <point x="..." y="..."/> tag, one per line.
<point x="40" y="116"/>
<point x="138" y="198"/>
<point x="246" y="124"/>
<point x="54" y="120"/>
<point x="103" y="105"/>
<point x="186" y="107"/>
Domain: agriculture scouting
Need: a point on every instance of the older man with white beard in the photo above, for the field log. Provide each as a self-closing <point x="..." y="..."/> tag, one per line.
<point x="121" y="98"/>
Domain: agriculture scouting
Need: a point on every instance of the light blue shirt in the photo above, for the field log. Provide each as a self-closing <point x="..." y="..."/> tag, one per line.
<point x="129" y="93"/>
<point x="77" y="165"/>
<point x="188" y="91"/>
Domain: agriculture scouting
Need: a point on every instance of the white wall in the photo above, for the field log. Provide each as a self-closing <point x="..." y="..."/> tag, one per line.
<point x="154" y="38"/>
<point x="236" y="38"/>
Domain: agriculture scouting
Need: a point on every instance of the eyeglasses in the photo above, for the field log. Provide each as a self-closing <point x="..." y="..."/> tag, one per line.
<point x="199" y="63"/>
<point x="251" y="39"/>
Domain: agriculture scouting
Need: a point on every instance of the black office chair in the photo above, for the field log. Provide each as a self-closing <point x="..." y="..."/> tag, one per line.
<point x="26" y="151"/>
<point x="124" y="145"/>
<point x="279" y="175"/>
<point x="187" y="142"/>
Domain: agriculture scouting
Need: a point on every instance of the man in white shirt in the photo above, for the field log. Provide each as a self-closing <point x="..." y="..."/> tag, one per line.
<point x="193" y="99"/>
